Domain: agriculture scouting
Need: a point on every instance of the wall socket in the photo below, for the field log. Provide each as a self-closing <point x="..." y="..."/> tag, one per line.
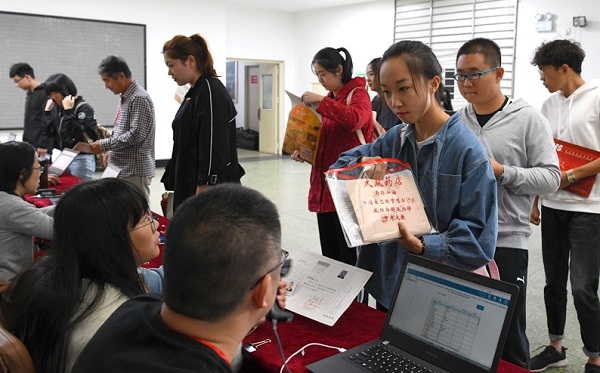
<point x="543" y="26"/>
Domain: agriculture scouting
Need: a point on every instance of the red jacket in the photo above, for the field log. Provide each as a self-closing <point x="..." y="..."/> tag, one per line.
<point x="339" y="123"/>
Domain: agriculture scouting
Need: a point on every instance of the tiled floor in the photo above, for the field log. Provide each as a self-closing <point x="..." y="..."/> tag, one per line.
<point x="285" y="182"/>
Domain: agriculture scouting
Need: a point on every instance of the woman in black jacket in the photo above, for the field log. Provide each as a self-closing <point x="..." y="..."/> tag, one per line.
<point x="71" y="120"/>
<point x="204" y="148"/>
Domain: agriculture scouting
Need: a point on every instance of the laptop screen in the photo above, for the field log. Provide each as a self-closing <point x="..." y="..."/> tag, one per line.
<point x="62" y="162"/>
<point x="462" y="318"/>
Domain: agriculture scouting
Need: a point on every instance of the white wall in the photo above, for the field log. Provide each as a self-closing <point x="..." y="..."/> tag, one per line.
<point x="527" y="82"/>
<point x="366" y="30"/>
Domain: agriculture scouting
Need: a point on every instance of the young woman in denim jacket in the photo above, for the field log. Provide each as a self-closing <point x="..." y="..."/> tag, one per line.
<point x="450" y="167"/>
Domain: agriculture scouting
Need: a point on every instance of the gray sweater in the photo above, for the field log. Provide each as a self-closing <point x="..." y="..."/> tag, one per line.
<point x="19" y="222"/>
<point x="519" y="138"/>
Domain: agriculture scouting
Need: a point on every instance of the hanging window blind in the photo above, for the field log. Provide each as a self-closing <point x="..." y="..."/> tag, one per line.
<point x="445" y="25"/>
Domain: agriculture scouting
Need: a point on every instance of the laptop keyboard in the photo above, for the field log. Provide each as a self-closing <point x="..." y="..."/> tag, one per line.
<point x="381" y="359"/>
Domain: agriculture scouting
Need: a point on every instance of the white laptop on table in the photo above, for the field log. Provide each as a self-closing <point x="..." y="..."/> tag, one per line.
<point x="62" y="162"/>
<point x="441" y="318"/>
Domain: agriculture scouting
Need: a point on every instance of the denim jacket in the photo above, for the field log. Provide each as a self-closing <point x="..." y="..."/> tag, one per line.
<point x="459" y="191"/>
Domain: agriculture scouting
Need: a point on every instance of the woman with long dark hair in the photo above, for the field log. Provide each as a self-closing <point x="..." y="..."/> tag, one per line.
<point x="103" y="233"/>
<point x="345" y="118"/>
<point x="20" y="220"/>
<point x="204" y="148"/>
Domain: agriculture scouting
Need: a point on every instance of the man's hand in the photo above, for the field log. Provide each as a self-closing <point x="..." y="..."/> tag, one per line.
<point x="105" y="158"/>
<point x="497" y="167"/>
<point x="42" y="152"/>
<point x="96" y="147"/>
<point x="281" y="294"/>
<point x="534" y="215"/>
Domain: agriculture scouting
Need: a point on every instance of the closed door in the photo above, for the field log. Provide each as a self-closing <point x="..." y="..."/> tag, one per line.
<point x="268" y="133"/>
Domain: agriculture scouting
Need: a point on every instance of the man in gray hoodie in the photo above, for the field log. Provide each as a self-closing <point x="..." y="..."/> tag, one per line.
<point x="519" y="143"/>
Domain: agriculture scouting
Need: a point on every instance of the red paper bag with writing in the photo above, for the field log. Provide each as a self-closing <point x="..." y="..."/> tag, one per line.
<point x="370" y="204"/>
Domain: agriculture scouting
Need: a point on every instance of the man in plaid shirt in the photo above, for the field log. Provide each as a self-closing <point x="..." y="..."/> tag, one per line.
<point x="131" y="145"/>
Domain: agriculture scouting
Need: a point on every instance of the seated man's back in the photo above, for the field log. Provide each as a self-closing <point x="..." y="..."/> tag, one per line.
<point x="134" y="339"/>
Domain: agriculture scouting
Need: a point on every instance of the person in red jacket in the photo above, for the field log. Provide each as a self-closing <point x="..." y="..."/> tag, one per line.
<point x="341" y="119"/>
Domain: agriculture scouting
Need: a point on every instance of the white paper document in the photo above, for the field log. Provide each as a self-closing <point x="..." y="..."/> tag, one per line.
<point x="321" y="288"/>
<point x="111" y="171"/>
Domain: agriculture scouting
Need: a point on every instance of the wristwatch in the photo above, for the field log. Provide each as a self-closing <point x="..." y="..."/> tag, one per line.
<point x="500" y="177"/>
<point x="571" y="176"/>
<point x="423" y="244"/>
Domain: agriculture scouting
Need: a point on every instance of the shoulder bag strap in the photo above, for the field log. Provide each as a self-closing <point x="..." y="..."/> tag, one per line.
<point x="359" y="133"/>
<point x="85" y="135"/>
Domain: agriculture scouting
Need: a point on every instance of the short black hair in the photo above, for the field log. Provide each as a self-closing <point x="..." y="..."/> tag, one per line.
<point x="559" y="52"/>
<point x="60" y="83"/>
<point x="21" y="69"/>
<point x="112" y="66"/>
<point x="16" y="160"/>
<point x="218" y="244"/>
<point x="486" y="47"/>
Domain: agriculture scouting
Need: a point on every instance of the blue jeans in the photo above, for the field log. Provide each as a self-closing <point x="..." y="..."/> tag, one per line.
<point x="576" y="235"/>
<point x="83" y="166"/>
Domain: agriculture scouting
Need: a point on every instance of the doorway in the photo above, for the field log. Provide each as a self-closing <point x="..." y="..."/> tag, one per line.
<point x="258" y="103"/>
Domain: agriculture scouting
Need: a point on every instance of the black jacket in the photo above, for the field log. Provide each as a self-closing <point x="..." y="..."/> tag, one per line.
<point x="35" y="129"/>
<point x="204" y="148"/>
<point x="67" y="126"/>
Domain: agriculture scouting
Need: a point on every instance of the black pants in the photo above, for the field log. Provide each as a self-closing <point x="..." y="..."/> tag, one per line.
<point x="333" y="243"/>
<point x="512" y="264"/>
<point x="570" y="251"/>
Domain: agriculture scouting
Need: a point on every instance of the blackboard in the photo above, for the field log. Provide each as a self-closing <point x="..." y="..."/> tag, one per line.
<point x="71" y="46"/>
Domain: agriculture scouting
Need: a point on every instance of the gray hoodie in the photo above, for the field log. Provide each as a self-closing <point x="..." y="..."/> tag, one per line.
<point x="519" y="138"/>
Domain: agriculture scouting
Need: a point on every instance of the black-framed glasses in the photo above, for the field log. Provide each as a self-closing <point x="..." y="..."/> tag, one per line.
<point x="284" y="265"/>
<point x="472" y="76"/>
<point x="18" y="80"/>
<point x="151" y="222"/>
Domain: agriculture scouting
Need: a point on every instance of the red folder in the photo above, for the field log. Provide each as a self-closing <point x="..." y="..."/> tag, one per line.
<point x="572" y="156"/>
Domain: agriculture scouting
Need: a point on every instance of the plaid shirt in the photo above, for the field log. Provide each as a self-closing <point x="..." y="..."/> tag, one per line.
<point x="131" y="144"/>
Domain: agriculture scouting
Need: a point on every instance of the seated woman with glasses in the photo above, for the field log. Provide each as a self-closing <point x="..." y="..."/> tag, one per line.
<point x="19" y="175"/>
<point x="103" y="232"/>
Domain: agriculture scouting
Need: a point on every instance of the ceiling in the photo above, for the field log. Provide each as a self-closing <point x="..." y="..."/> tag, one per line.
<point x="295" y="6"/>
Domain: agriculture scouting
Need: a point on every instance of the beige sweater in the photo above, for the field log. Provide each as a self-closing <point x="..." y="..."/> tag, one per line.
<point x="85" y="330"/>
